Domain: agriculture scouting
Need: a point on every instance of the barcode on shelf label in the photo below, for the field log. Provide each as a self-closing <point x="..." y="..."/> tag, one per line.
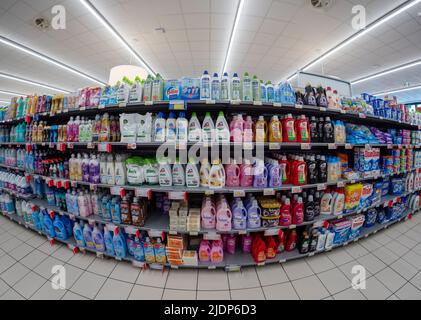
<point x="240" y="232"/>
<point x="348" y="146"/>
<point x="274" y="146"/>
<point x="210" y="101"/>
<point x="239" y="193"/>
<point x="209" y="192"/>
<point x="143" y="193"/>
<point x="362" y="115"/>
<point x="193" y="233"/>
<point x="177" y="195"/>
<point x="132" y="146"/>
<point x="292" y="226"/>
<point x="305" y="146"/>
<point x="296" y="190"/>
<point x="323" y="109"/>
<point x="148" y="103"/>
<point x="321" y="187"/>
<point x="212" y="236"/>
<point x="248" y="146"/>
<point x="341" y="184"/>
<point x="332" y="146"/>
<point x="211" y="267"/>
<point x="261" y="264"/>
<point x="90" y="145"/>
<point x="233" y="268"/>
<point x="122" y="104"/>
<point x="269" y="192"/>
<point x="116" y="191"/>
<point x="277" y="104"/>
<point x="298" y="106"/>
<point x="130" y="230"/>
<point x="235" y="102"/>
<point x="271" y="232"/>
<point x="257" y="103"/>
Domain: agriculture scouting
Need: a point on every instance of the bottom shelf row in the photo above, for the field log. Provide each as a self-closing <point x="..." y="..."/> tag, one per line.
<point x="231" y="252"/>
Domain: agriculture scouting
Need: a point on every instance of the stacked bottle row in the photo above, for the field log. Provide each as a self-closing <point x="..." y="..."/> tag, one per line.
<point x="15" y="182"/>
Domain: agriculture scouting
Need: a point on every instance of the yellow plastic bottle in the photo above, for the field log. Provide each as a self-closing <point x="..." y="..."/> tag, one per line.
<point x="261" y="130"/>
<point x="275" y="130"/>
<point x="34" y="105"/>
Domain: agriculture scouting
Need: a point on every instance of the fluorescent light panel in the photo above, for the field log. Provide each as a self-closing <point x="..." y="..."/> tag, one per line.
<point x="398" y="90"/>
<point x="33" y="83"/>
<point x="233" y="33"/>
<point x="11" y="93"/>
<point x="45" y="58"/>
<point x="114" y="32"/>
<point x="388" y="71"/>
<point x="361" y="33"/>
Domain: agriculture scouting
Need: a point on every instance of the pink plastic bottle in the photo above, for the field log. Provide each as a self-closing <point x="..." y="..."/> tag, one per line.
<point x="208" y="214"/>
<point x="204" y="251"/>
<point x="232" y="172"/>
<point x="231" y="244"/>
<point x="237" y="128"/>
<point x="223" y="218"/>
<point x="217" y="252"/>
<point x="286" y="219"/>
<point x="246" y="241"/>
<point x="248" y="130"/>
<point x="246" y="174"/>
<point x="298" y="212"/>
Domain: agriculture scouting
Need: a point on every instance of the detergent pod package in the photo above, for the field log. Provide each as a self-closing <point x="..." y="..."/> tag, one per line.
<point x="134" y="167"/>
<point x="286" y="93"/>
<point x="367" y="161"/>
<point x="124" y="90"/>
<point x="190" y="88"/>
<point x="366" y="193"/>
<point x="392" y="213"/>
<point x="352" y="197"/>
<point x="370" y="218"/>
<point x="357" y="222"/>
<point x="397" y="186"/>
<point x="128" y="127"/>
<point x="144" y="128"/>
<point x="105" y="96"/>
<point x="136" y="91"/>
<point x="270" y="212"/>
<point x="341" y="229"/>
<point x="385" y="186"/>
<point x="376" y="196"/>
<point x="112" y="97"/>
<point x="381" y="216"/>
<point x="94" y="97"/>
<point x="172" y="90"/>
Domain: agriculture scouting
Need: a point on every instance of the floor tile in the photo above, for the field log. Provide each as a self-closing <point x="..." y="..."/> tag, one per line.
<point x="375" y="290"/>
<point x="320" y="263"/>
<point x="416" y="281"/>
<point x="3" y="287"/>
<point x="310" y="288"/>
<point x="212" y="280"/>
<point x="370" y="244"/>
<point x="349" y="294"/>
<point x="45" y="268"/>
<point x="10" y="244"/>
<point x="382" y="238"/>
<point x="46" y="292"/>
<point x="29" y="284"/>
<point x="145" y="293"/>
<point x="213" y="295"/>
<point x="393" y="297"/>
<point x="417" y="249"/>
<point x="397" y="248"/>
<point x="271" y="274"/>
<point x="103" y="267"/>
<point x="416" y="236"/>
<point x="406" y="241"/>
<point x="63" y="254"/>
<point x="152" y="278"/>
<point x="11" y="295"/>
<point x="72" y="274"/>
<point x="334" y="280"/>
<point x="25" y="236"/>
<point x="356" y="250"/>
<point x="408" y="292"/>
<point x="349" y="267"/>
<point x="33" y="259"/>
<point x="82" y="260"/>
<point x="385" y="255"/>
<point x="36" y="241"/>
<point x="297" y="269"/>
<point x="247" y="294"/>
<point x="88" y="285"/>
<point x="413" y="259"/>
<point x="405" y="269"/>
<point x="371" y="263"/>
<point x="244" y="279"/>
<point x="72" y="296"/>
<point x="49" y="249"/>
<point x="391" y="279"/>
<point x="6" y="262"/>
<point x="182" y="280"/>
<point x="339" y="257"/>
<point x="124" y="271"/>
<point x="114" y="290"/>
<point x="283" y="291"/>
<point x="21" y="251"/>
<point x="4" y="237"/>
<point x="170" y="294"/>
<point x="14" y="273"/>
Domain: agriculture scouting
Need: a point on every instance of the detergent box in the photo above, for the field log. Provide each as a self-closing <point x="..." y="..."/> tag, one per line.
<point x="190" y="88"/>
<point x="172" y="90"/>
<point x="341" y="229"/>
<point x="357" y="223"/>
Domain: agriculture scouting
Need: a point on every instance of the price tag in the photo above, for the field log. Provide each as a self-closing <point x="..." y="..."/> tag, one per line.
<point x="100" y="255"/>
<point x="261" y="264"/>
<point x="271" y="232"/>
<point x="155" y="233"/>
<point x="101" y="106"/>
<point x="91" y="222"/>
<point x="341" y="184"/>
<point x="339" y="216"/>
<point x="70" y="145"/>
<point x="277" y="104"/>
<point x="177" y="105"/>
<point x="211" y="267"/>
<point x="138" y="264"/>
<point x="348" y="146"/>
<point x="194" y="233"/>
<point x="292" y="226"/>
<point x="296" y="190"/>
<point x="319" y="224"/>
<point x="143" y="193"/>
<point x="269" y="192"/>
<point x="305" y="146"/>
<point x="311" y="254"/>
<point x="116" y="191"/>
<point x="132" y="146"/>
<point x="240" y="232"/>
<point x="321" y="187"/>
<point x="130" y="230"/>
<point x="248" y="146"/>
<point x="239" y="193"/>
<point x="323" y="109"/>
<point x="177" y="195"/>
<point x="90" y="145"/>
<point x="122" y="104"/>
<point x="74" y="184"/>
<point x="92" y="187"/>
<point x="51" y="145"/>
<point x="257" y="103"/>
<point x="181" y="146"/>
<point x="282" y="261"/>
<point x="274" y="146"/>
<point x="65" y="110"/>
<point x="104" y="147"/>
<point x="149" y="103"/>
<point x="211" y="236"/>
<point x="368" y="146"/>
<point x="118" y="258"/>
<point x="298" y="106"/>
<point x="82" y="108"/>
<point x="343" y="111"/>
<point x="233" y="268"/>
<point x="332" y="146"/>
<point x="235" y="102"/>
<point x="362" y="115"/>
<point x="209" y="192"/>
<point x="72" y="217"/>
<point x="210" y="101"/>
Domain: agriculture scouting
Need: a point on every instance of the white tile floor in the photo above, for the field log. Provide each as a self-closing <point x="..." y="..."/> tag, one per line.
<point x="392" y="259"/>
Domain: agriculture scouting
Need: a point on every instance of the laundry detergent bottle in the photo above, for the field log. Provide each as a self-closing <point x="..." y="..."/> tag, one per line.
<point x="288" y="129"/>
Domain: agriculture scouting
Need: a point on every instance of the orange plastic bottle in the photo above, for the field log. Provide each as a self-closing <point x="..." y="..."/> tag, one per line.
<point x="261" y="129"/>
<point x="275" y="130"/>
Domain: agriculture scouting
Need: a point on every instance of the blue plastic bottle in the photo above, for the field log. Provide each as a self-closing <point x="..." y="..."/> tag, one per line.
<point x="48" y="226"/>
<point x="68" y="224"/>
<point x="108" y="240"/>
<point x="98" y="239"/>
<point x="139" y="253"/>
<point x="78" y="235"/>
<point x="87" y="235"/>
<point x="115" y="211"/>
<point x="119" y="244"/>
<point x="59" y="228"/>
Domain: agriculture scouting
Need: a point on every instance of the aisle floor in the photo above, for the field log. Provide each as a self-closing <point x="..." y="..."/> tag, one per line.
<point x="392" y="259"/>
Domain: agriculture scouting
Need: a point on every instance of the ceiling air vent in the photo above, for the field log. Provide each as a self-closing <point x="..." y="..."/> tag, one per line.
<point x="321" y="4"/>
<point x="42" y="23"/>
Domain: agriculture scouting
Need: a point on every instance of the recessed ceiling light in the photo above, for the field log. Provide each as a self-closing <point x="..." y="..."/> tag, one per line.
<point x="371" y="27"/>
<point x="114" y="32"/>
<point x="31" y="82"/>
<point x="45" y="58"/>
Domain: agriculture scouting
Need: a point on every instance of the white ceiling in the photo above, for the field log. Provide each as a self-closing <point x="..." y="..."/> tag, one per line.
<point x="275" y="38"/>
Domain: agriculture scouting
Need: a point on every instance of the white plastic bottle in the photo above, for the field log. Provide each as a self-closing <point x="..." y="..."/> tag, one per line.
<point x="110" y="170"/>
<point x="216" y="88"/>
<point x="120" y="170"/>
<point x="103" y="169"/>
<point x="78" y="166"/>
<point x="225" y="87"/>
<point x="204" y="173"/>
<point x="171" y="127"/>
<point x="182" y="128"/>
<point x="165" y="174"/>
<point x="208" y="129"/>
<point x="235" y="88"/>
<point x="205" y="86"/>
<point x="222" y="132"/>
<point x="195" y="129"/>
<point x="192" y="175"/>
<point x="178" y="174"/>
<point x="217" y="176"/>
<point x="159" y="128"/>
<point x="247" y="88"/>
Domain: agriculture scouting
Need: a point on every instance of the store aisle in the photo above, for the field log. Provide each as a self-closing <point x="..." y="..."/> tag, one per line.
<point x="392" y="259"/>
